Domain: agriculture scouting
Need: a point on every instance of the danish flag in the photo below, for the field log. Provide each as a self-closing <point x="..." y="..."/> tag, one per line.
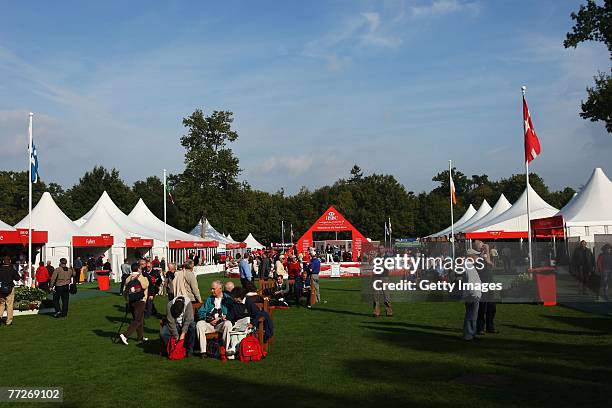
<point x="532" y="143"/>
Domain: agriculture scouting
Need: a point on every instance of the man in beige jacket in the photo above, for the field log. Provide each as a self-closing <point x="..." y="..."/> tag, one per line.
<point x="185" y="283"/>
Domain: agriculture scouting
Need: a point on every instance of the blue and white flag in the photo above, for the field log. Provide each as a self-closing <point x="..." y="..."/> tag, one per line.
<point x="34" y="163"/>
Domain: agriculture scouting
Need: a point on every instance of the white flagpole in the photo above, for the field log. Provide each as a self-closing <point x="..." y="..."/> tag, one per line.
<point x="386" y="234"/>
<point x="29" y="263"/>
<point x="450" y="180"/>
<point x="165" y="221"/>
<point x="390" y="233"/>
<point x="283" y="232"/>
<point x="523" y="89"/>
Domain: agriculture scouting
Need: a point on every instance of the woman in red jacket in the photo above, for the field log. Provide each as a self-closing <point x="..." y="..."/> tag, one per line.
<point x="42" y="277"/>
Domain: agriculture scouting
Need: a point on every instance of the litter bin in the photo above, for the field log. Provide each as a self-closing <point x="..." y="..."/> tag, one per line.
<point x="546" y="282"/>
<point x="103" y="278"/>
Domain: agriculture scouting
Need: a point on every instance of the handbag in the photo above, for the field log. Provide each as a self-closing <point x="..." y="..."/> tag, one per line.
<point x="73" y="288"/>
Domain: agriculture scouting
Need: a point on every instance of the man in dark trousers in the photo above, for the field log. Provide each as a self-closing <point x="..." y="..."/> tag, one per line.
<point x="583" y="262"/>
<point x="487" y="308"/>
<point x="7" y="289"/>
<point x="264" y="267"/>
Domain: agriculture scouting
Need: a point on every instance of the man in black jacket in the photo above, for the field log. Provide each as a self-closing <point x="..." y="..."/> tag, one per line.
<point x="264" y="267"/>
<point x="7" y="292"/>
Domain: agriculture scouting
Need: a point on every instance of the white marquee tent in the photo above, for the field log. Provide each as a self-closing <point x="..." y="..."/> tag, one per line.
<point x="501" y="206"/>
<point x="208" y="232"/>
<point x="47" y="216"/>
<point x="515" y="218"/>
<point x="589" y="212"/>
<point x="469" y="213"/>
<point x="5" y="227"/>
<point x="252" y="243"/>
<point x="142" y="215"/>
<point x="484" y="209"/>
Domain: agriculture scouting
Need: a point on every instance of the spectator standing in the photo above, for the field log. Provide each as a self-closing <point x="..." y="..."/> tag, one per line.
<point x="125" y="272"/>
<point x="50" y="268"/>
<point x="583" y="262"/>
<point x="471" y="298"/>
<point x="245" y="270"/>
<point x="77" y="264"/>
<point x="487" y="308"/>
<point x="604" y="268"/>
<point x="136" y="301"/>
<point x="185" y="283"/>
<point x="170" y="275"/>
<point x="91" y="269"/>
<point x="315" y="269"/>
<point x="279" y="267"/>
<point x="42" y="277"/>
<point x="264" y="267"/>
<point x="8" y="276"/>
<point x="60" y="284"/>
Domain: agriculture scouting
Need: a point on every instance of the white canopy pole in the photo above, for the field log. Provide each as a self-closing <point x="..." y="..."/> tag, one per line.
<point x="523" y="89"/>
<point x="165" y="222"/>
<point x="29" y="263"/>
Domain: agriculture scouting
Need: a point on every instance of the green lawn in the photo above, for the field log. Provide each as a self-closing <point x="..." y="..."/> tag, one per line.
<point x="332" y="355"/>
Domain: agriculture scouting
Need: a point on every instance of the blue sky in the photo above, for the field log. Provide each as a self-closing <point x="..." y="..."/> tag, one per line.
<point x="397" y="87"/>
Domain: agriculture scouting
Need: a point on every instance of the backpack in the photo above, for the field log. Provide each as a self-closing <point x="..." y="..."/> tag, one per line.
<point x="250" y="349"/>
<point x="135" y="290"/>
<point x="5" y="289"/>
<point x="176" y="349"/>
<point x="213" y="349"/>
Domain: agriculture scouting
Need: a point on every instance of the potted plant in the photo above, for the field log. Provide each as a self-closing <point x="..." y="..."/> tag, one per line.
<point x="28" y="298"/>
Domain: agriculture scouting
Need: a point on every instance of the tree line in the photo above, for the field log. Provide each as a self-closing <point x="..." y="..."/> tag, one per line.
<point x="209" y="187"/>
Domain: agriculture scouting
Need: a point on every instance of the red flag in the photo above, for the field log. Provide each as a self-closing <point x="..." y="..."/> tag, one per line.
<point x="532" y="143"/>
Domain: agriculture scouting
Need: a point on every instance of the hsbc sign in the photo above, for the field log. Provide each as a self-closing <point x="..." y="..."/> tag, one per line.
<point x="331" y="216"/>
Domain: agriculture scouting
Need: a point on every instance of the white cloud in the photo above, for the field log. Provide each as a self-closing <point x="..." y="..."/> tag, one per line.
<point x="441" y="7"/>
<point x="294" y="165"/>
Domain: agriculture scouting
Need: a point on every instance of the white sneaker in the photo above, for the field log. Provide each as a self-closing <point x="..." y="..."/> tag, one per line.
<point x="143" y="340"/>
<point x="123" y="339"/>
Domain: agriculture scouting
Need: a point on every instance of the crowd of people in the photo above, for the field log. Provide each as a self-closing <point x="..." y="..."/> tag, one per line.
<point x="229" y="311"/>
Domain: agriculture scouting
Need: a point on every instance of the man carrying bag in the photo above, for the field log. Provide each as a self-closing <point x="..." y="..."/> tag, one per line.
<point x="7" y="294"/>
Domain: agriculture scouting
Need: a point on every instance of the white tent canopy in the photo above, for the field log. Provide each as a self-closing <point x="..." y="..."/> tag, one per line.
<point x="5" y="227"/>
<point x="208" y="232"/>
<point x="484" y="209"/>
<point x="142" y="215"/>
<point x="501" y="206"/>
<point x="230" y="239"/>
<point x="469" y="213"/>
<point x="47" y="216"/>
<point x="133" y="228"/>
<point x="101" y="222"/>
<point x="252" y="243"/>
<point x="589" y="212"/>
<point x="515" y="218"/>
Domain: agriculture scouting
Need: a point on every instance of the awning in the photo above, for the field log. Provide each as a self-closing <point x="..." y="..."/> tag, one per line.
<point x="192" y="244"/>
<point x="20" y="236"/>
<point x="104" y="240"/>
<point x="137" y="242"/>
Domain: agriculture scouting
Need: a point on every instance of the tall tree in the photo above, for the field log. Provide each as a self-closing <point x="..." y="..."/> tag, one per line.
<point x="211" y="168"/>
<point x="14" y="197"/>
<point x="594" y="23"/>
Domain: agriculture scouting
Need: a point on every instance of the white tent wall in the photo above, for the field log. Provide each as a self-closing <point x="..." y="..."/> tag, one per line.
<point x="515" y="218"/>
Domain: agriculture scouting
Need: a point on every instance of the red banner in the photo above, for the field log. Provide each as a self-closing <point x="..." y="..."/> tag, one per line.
<point x="21" y="237"/>
<point x="137" y="242"/>
<point x="104" y="240"/>
<point x="237" y="245"/>
<point x="496" y="235"/>
<point x="192" y="244"/>
<point x="548" y="227"/>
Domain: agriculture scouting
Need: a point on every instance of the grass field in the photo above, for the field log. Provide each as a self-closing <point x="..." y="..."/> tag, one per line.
<point x="333" y="355"/>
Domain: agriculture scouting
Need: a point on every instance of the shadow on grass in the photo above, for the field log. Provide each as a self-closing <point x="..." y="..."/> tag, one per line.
<point x="336" y="311"/>
<point x="602" y="324"/>
<point x="273" y="391"/>
<point x="554" y="331"/>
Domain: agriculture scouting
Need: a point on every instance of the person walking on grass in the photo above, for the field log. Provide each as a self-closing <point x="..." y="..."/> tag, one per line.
<point x="136" y="294"/>
<point x="7" y="289"/>
<point x="60" y="285"/>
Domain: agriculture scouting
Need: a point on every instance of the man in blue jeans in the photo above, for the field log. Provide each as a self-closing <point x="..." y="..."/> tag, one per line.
<point x="315" y="268"/>
<point x="245" y="270"/>
<point x="180" y="323"/>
